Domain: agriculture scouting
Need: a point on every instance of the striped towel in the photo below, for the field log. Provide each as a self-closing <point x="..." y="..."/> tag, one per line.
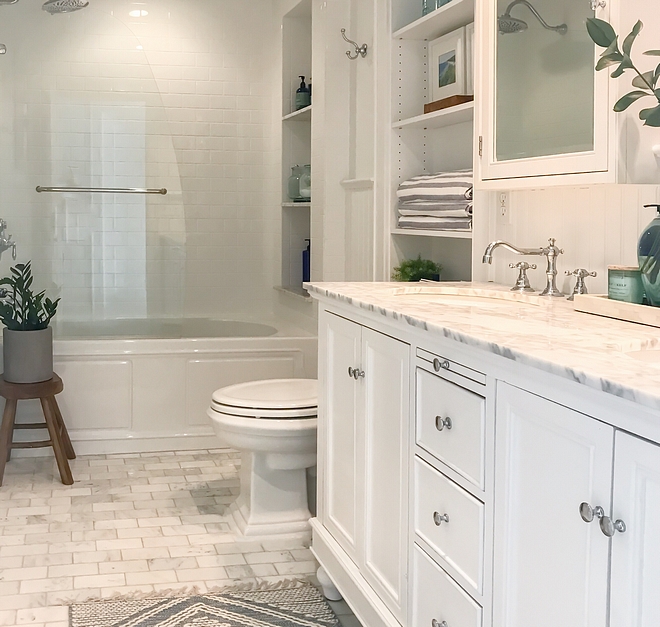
<point x="444" y="188"/>
<point x="435" y="224"/>
<point x="437" y="209"/>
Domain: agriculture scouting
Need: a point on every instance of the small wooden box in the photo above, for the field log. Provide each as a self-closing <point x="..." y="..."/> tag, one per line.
<point x="445" y="103"/>
<point x="601" y="305"/>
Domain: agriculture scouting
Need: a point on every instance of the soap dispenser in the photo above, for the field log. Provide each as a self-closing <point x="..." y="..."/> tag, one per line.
<point x="303" y="98"/>
<point x="306" y="262"/>
<point x="648" y="256"/>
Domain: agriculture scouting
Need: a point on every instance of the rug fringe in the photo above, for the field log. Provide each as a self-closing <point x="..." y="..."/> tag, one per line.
<point x="259" y="586"/>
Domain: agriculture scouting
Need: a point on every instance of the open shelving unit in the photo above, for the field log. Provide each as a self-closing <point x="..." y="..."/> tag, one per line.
<point x="419" y="141"/>
<point x="296" y="142"/>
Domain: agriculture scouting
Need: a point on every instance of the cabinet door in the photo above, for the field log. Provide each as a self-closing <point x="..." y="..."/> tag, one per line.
<point x="635" y="601"/>
<point x="544" y="109"/>
<point x="338" y="431"/>
<point x="551" y="568"/>
<point x="386" y="388"/>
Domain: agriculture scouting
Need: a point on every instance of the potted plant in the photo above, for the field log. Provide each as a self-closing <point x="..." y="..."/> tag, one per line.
<point x="27" y="344"/>
<point x="417" y="269"/>
<point x="605" y="36"/>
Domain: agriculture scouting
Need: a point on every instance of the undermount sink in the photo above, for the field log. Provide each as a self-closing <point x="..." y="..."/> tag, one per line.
<point x="456" y="296"/>
<point x="649" y="356"/>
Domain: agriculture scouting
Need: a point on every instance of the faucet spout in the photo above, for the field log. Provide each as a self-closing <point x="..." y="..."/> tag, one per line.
<point x="488" y="254"/>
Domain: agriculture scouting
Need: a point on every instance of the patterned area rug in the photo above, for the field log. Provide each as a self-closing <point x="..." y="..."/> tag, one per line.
<point x="301" y="606"/>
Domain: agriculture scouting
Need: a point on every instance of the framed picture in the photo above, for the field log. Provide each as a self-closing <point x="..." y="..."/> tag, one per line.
<point x="447" y="65"/>
<point x="469" y="58"/>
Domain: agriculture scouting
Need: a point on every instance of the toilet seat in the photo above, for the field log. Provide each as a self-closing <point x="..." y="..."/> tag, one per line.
<point x="269" y="399"/>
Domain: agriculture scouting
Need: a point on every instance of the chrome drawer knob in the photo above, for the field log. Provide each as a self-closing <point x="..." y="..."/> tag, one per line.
<point x="609" y="527"/>
<point x="351" y="372"/>
<point x="441" y="423"/>
<point x="439" y="519"/>
<point x="588" y="513"/>
<point x="440" y="365"/>
<point x="435" y="623"/>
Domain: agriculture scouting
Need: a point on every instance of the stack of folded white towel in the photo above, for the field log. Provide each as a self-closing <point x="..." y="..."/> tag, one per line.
<point x="437" y="201"/>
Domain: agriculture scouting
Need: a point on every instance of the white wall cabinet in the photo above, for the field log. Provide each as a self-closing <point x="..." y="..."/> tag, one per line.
<point x="543" y="110"/>
<point x="363" y="469"/>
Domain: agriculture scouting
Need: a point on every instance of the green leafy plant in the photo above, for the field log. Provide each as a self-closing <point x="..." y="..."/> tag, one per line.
<point x="604" y="36"/>
<point x="22" y="309"/>
<point x="416" y="269"/>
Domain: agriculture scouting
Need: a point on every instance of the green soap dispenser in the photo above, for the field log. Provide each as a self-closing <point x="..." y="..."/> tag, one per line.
<point x="303" y="97"/>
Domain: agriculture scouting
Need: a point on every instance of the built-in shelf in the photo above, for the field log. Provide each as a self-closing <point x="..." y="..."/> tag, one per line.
<point x="302" y="115"/>
<point x="357" y="183"/>
<point x="423" y="233"/>
<point x="297" y="205"/>
<point x="453" y="15"/>
<point x="439" y="119"/>
<point x="296" y="292"/>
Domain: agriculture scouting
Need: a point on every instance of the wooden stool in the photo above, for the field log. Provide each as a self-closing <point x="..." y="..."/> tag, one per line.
<point x="59" y="437"/>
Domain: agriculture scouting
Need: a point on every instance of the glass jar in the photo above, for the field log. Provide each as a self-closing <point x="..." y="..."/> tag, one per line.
<point x="293" y="185"/>
<point x="648" y="255"/>
<point x="306" y="183"/>
<point x="428" y="6"/>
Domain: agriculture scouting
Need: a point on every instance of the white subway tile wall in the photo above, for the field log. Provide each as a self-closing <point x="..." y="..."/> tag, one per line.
<point x="182" y="98"/>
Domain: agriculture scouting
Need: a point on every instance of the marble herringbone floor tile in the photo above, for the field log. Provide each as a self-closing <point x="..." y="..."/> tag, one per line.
<point x="134" y="523"/>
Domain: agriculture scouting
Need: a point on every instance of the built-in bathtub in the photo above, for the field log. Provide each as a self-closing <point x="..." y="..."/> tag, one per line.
<point x="138" y="386"/>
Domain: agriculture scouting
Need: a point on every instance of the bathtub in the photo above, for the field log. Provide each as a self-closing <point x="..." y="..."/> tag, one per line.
<point x="141" y="386"/>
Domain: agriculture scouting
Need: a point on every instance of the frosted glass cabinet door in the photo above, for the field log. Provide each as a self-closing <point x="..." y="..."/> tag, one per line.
<point x="635" y="601"/>
<point x="547" y="108"/>
<point x="550" y="567"/>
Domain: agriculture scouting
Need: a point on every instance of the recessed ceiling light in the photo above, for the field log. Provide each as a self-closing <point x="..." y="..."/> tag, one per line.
<point x="139" y="13"/>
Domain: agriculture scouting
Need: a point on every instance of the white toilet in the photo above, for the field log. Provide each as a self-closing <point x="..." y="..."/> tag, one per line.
<point x="273" y="424"/>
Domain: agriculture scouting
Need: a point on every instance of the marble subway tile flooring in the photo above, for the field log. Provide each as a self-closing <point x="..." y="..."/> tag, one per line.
<point x="135" y="523"/>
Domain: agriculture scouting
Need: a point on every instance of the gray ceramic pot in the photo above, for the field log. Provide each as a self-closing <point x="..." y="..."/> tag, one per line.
<point x="28" y="355"/>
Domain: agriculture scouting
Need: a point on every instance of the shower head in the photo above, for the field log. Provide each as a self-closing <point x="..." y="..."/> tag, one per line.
<point x="64" y="6"/>
<point x="507" y="24"/>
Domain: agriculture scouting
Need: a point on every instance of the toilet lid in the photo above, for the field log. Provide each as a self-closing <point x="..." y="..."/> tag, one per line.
<point x="274" y="395"/>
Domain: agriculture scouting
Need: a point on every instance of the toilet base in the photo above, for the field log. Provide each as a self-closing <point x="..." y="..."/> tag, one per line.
<point x="272" y="501"/>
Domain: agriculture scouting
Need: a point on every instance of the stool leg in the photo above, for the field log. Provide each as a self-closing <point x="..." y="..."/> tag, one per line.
<point x="66" y="440"/>
<point x="6" y="434"/>
<point x="60" y="457"/>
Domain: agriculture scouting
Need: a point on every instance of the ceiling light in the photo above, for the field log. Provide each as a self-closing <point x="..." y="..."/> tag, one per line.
<point x="139" y="13"/>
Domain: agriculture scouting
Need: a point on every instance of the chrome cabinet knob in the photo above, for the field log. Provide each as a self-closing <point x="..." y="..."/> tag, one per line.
<point x="356" y="373"/>
<point x="441" y="423"/>
<point x="609" y="527"/>
<point x="597" y="4"/>
<point x="588" y="513"/>
<point x="435" y="623"/>
<point x="438" y="519"/>
<point x="440" y="365"/>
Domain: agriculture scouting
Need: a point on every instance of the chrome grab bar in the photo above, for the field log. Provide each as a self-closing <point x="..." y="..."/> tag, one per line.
<point x="102" y="190"/>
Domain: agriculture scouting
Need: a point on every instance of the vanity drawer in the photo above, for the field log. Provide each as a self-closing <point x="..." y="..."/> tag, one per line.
<point x="437" y="597"/>
<point x="450" y="424"/>
<point x="458" y="540"/>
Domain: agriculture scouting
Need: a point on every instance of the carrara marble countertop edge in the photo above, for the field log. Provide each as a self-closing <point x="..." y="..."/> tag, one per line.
<point x="550" y="336"/>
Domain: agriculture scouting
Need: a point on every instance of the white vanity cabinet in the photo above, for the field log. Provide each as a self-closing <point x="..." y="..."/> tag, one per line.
<point x="363" y="459"/>
<point x="550" y="567"/>
<point x="544" y="113"/>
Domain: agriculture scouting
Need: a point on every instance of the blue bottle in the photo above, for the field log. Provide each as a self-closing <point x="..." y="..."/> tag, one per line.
<point x="648" y="255"/>
<point x="306" y="262"/>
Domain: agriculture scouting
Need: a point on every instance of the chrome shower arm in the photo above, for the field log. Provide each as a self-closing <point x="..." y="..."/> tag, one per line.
<point x="561" y="28"/>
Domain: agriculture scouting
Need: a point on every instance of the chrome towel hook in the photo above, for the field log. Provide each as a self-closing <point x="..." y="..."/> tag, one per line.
<point x="359" y="50"/>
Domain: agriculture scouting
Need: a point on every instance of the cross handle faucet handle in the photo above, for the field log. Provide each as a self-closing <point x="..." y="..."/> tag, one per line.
<point x="523" y="265"/>
<point x="581" y="273"/>
<point x="580" y="287"/>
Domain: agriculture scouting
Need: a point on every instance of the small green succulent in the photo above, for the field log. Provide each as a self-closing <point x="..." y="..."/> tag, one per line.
<point x="604" y="36"/>
<point x="416" y="269"/>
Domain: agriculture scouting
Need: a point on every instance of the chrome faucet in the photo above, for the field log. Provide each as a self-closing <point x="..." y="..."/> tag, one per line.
<point x="550" y="251"/>
<point x="6" y="241"/>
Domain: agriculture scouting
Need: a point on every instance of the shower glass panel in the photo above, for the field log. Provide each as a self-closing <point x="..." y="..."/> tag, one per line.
<point x="544" y="79"/>
<point x="68" y="118"/>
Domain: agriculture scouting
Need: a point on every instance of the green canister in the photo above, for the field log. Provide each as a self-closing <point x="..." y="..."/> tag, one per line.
<point x="625" y="283"/>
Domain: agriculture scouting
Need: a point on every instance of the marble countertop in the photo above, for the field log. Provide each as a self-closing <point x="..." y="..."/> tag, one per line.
<point x="616" y="357"/>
